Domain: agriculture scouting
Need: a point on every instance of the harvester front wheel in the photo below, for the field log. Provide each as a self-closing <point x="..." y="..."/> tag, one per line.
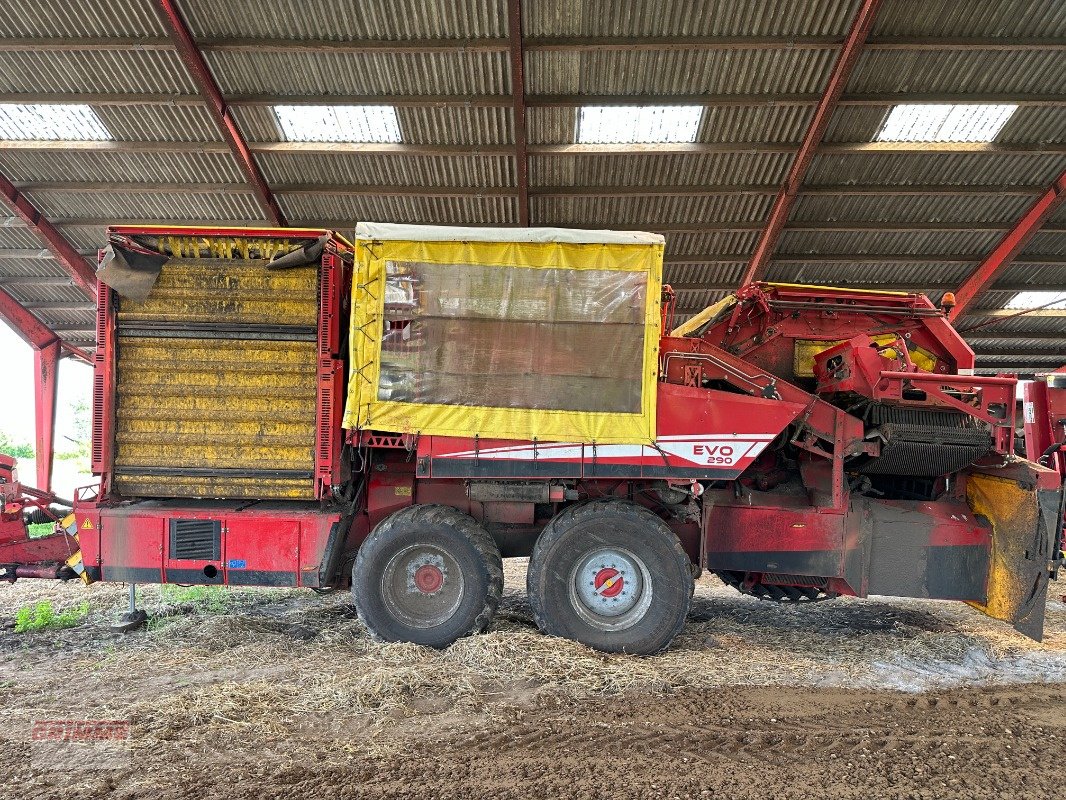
<point x="427" y="574"/>
<point x="612" y="575"/>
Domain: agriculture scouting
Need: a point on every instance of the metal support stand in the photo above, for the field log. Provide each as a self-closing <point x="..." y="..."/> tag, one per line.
<point x="133" y="618"/>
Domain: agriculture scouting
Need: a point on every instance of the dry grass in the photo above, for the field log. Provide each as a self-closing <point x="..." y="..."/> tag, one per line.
<point x="281" y="662"/>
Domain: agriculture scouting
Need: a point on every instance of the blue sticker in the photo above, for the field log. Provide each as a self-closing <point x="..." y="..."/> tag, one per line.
<point x="237" y="563"/>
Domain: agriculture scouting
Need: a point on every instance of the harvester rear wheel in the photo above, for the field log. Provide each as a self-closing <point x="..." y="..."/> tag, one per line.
<point x="612" y="575"/>
<point x="427" y="574"/>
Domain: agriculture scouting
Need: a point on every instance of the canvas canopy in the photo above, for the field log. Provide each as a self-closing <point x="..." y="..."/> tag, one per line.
<point x="536" y="334"/>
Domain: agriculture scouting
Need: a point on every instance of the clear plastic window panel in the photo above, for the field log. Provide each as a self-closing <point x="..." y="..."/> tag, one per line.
<point x="513" y="337"/>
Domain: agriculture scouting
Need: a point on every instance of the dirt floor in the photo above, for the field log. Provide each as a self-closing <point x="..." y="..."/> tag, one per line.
<point x="251" y="694"/>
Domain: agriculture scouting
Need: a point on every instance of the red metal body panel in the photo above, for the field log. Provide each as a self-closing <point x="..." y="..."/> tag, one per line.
<point x="16" y="546"/>
<point x="275" y="544"/>
<point x="1044" y="420"/>
<point x="770" y="317"/>
<point x="45" y="384"/>
<point x="103" y="433"/>
<point x="857" y="366"/>
<point x="700" y="434"/>
<point x="332" y="374"/>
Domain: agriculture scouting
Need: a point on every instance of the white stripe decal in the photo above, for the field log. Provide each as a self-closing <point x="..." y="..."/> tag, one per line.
<point x="716" y="450"/>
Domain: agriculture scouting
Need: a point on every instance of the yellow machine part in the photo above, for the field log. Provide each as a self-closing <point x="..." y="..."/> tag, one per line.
<point x="206" y="412"/>
<point x="1016" y="564"/>
<point x="227" y="291"/>
<point x="804" y="351"/>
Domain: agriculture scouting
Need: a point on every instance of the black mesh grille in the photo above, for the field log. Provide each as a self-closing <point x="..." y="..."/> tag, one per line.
<point x="196" y="539"/>
<point x="924" y="442"/>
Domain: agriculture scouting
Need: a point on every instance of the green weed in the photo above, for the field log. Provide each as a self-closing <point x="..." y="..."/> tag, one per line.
<point x="42" y="616"/>
<point x="215" y="599"/>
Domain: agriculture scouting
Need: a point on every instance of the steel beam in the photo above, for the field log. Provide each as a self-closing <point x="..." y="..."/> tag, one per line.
<point x="1042" y="100"/>
<point x="45" y="383"/>
<point x="981" y="279"/>
<point x="685" y="227"/>
<point x="216" y="104"/>
<point x="518" y="95"/>
<point x="607" y="191"/>
<point x="34" y="332"/>
<point x="495" y="150"/>
<point x="557" y="44"/>
<point x="69" y="258"/>
<point x="31" y="330"/>
<point x="786" y="197"/>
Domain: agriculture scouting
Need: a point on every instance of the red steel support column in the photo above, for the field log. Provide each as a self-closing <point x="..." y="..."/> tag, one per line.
<point x="69" y="258"/>
<point x="47" y="349"/>
<point x="518" y="93"/>
<point x="786" y="197"/>
<point x="201" y="74"/>
<point x="45" y="383"/>
<point x="1015" y="240"/>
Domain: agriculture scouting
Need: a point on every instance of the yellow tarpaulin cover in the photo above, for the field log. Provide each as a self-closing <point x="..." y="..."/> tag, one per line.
<point x="541" y="333"/>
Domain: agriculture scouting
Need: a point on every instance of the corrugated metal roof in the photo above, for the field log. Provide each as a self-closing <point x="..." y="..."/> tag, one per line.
<point x="1006" y="19"/>
<point x="554" y="18"/>
<point x="63" y="18"/>
<point x="747" y="148"/>
<point x="911" y="208"/>
<point x="725" y="169"/>
<point x="964" y="169"/>
<point x="106" y="71"/>
<point x="321" y="74"/>
<point x="368" y="170"/>
<point x="161" y="205"/>
<point x="397" y="20"/>
<point x="70" y="165"/>
<point x="962" y="71"/>
<point x="143" y="123"/>
<point x="678" y="71"/>
<point x="647" y="211"/>
<point x="337" y="208"/>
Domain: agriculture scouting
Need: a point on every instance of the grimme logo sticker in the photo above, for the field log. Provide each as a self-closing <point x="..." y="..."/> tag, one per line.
<point x="91" y="744"/>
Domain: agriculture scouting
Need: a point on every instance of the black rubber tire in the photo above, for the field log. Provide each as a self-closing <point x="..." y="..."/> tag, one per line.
<point x="571" y="535"/>
<point x="774" y="592"/>
<point x="450" y="530"/>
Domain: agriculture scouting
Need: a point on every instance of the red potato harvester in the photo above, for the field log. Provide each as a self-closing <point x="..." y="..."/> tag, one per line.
<point x="526" y="393"/>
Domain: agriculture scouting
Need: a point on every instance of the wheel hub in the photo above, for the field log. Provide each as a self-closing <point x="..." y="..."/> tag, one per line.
<point x="428" y="579"/>
<point x="610" y="588"/>
<point x="609" y="582"/>
<point x="422" y="585"/>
